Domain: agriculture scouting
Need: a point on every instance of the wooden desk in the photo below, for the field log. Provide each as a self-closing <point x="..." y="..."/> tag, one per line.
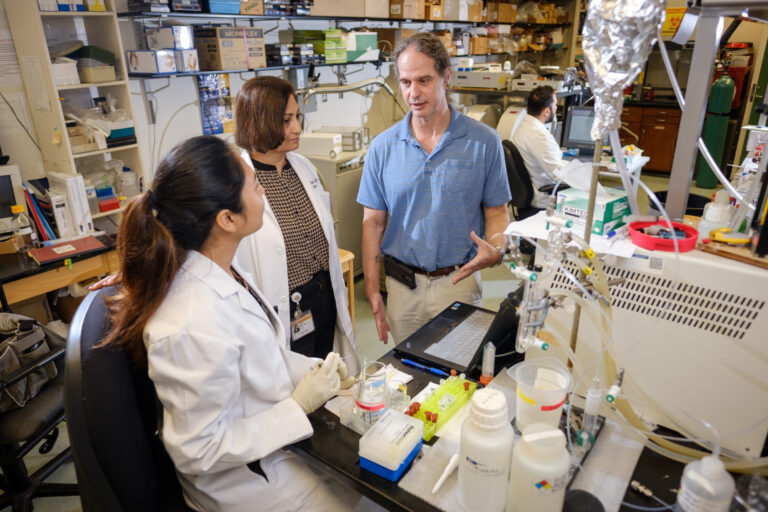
<point x="348" y="268"/>
<point x="23" y="279"/>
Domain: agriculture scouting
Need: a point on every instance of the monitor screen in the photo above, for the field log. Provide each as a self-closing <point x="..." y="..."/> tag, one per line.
<point x="578" y="126"/>
<point x="7" y="196"/>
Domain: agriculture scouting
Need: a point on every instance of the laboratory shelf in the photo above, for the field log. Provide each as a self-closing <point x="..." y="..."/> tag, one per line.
<point x="90" y="84"/>
<point x="103" y="151"/>
<point x="268" y="68"/>
<point x="204" y="15"/>
<point x="72" y="14"/>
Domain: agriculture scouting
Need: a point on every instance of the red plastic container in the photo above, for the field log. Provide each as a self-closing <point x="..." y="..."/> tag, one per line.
<point x="654" y="243"/>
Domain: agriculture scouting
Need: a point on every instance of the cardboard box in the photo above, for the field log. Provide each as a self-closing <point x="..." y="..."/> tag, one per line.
<point x="65" y="71"/>
<point x="96" y="74"/>
<point x="256" y="54"/>
<point x="390" y="37"/>
<point x="333" y="8"/>
<point x="610" y="209"/>
<point x="36" y="307"/>
<point x="407" y="9"/>
<point x="362" y="46"/>
<point x="478" y="45"/>
<point x="178" y="37"/>
<point x="507" y="13"/>
<point x="151" y="61"/>
<point x="445" y="37"/>
<point x="187" y="61"/>
<point x="252" y="7"/>
<point x="470" y="11"/>
<point x="434" y="12"/>
<point x="376" y="8"/>
<point x="222" y="48"/>
<point x="492" y="12"/>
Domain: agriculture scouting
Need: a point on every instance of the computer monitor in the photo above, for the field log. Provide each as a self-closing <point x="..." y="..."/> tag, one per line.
<point x="11" y="193"/>
<point x="578" y="125"/>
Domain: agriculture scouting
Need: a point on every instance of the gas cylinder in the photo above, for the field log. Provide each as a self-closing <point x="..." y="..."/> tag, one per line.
<point x="716" y="127"/>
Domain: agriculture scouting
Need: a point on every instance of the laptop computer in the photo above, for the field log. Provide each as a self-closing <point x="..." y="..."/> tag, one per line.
<point x="455" y="338"/>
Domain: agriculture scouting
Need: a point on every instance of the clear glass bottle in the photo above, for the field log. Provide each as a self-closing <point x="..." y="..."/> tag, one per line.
<point x="24" y="235"/>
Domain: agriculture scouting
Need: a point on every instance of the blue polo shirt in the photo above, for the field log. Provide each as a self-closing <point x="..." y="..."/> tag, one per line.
<point x="434" y="200"/>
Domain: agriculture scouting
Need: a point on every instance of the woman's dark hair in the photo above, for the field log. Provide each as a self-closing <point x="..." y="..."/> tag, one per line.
<point x="194" y="182"/>
<point x="539" y="99"/>
<point x="259" y="110"/>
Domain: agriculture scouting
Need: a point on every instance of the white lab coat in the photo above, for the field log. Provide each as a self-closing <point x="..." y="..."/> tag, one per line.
<point x="541" y="154"/>
<point x="263" y="255"/>
<point x="225" y="378"/>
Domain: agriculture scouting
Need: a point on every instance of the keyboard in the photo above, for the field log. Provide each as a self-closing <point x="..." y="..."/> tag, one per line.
<point x="460" y="345"/>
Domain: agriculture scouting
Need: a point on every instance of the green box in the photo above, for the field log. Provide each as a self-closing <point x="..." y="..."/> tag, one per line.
<point x="610" y="209"/>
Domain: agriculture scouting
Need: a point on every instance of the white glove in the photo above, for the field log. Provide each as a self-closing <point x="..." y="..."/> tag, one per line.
<point x="346" y="383"/>
<point x="320" y="384"/>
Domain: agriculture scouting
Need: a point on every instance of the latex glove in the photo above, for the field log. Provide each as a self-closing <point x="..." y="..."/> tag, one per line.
<point x="320" y="384"/>
<point x="346" y="382"/>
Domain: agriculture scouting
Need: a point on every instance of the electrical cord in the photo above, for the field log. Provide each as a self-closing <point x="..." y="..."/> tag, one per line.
<point x="20" y="123"/>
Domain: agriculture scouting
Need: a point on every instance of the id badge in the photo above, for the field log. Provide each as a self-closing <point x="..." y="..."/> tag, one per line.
<point x="302" y="326"/>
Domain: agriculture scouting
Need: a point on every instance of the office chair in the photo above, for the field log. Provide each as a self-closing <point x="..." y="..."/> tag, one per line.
<point x="520" y="183"/>
<point x="22" y="429"/>
<point x="112" y="412"/>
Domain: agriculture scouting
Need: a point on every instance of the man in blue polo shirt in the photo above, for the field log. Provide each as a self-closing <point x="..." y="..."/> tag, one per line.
<point x="441" y="177"/>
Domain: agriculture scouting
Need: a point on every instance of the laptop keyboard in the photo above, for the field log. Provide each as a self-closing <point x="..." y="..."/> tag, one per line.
<point x="460" y="345"/>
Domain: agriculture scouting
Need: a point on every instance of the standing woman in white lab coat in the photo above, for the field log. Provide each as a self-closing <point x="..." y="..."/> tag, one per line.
<point x="232" y="395"/>
<point x="294" y="257"/>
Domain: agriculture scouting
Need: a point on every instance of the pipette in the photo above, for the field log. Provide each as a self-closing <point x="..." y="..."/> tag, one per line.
<point x="449" y="468"/>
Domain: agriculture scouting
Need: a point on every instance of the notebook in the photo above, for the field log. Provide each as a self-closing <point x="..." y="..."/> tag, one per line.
<point x="64" y="250"/>
<point x="454" y="339"/>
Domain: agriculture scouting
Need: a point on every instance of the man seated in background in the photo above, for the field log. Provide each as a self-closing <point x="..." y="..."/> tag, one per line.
<point x="539" y="149"/>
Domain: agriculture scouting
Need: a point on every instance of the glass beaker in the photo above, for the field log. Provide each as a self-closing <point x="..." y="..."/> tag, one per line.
<point x="372" y="395"/>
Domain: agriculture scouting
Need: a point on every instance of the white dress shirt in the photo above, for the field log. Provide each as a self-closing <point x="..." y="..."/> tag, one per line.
<point x="541" y="154"/>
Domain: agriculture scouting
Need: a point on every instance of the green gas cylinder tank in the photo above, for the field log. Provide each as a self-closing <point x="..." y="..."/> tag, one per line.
<point x="721" y="95"/>
<point x="716" y="127"/>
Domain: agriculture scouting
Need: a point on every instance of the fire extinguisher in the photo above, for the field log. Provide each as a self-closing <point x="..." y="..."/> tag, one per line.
<point x="716" y="126"/>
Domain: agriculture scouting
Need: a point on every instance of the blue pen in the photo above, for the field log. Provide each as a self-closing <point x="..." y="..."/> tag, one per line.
<point x="429" y="369"/>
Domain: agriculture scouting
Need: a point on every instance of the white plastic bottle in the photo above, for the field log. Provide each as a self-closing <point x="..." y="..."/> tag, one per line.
<point x="705" y="487"/>
<point x="717" y="214"/>
<point x="485" y="453"/>
<point x="128" y="183"/>
<point x="24" y="236"/>
<point x="539" y="474"/>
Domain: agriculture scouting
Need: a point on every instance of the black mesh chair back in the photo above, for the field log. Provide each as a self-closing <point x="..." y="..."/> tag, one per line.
<point x="519" y="181"/>
<point x="111" y="409"/>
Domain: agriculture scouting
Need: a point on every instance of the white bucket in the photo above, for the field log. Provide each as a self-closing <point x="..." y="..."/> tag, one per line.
<point x="542" y="385"/>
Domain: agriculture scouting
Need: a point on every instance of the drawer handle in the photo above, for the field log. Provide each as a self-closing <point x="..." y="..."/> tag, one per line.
<point x="659" y="127"/>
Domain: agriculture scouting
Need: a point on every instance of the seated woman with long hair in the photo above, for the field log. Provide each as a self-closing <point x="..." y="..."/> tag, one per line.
<point x="232" y="393"/>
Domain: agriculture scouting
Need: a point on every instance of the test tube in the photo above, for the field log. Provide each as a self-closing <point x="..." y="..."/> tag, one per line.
<point x="589" y="421"/>
<point x="489" y="359"/>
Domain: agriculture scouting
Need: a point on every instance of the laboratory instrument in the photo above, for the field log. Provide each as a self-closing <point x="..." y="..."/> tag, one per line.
<point x="489" y="360"/>
<point x="585" y="437"/>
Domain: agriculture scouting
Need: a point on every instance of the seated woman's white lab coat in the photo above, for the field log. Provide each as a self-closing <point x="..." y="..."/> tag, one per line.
<point x="224" y="378"/>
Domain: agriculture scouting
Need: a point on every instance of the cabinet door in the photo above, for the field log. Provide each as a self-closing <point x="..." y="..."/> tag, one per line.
<point x="626" y="138"/>
<point x="659" y="144"/>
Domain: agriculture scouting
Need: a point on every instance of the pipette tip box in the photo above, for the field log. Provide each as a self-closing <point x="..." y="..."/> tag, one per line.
<point x="391" y="444"/>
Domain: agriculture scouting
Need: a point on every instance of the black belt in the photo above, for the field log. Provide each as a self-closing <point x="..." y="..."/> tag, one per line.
<point x="438" y="272"/>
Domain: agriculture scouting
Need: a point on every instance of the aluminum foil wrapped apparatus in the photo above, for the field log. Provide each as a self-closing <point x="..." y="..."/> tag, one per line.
<point x="617" y="38"/>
